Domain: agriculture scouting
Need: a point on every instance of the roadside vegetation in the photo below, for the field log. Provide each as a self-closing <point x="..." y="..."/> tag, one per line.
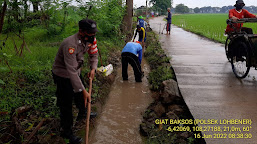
<point x="211" y="26"/>
<point x="27" y="52"/>
<point x="159" y="62"/>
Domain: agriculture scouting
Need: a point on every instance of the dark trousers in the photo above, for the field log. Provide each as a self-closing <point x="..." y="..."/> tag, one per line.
<point x="130" y="58"/>
<point x="65" y="96"/>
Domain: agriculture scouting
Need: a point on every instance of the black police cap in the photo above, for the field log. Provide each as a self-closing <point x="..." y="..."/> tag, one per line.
<point x="88" y="25"/>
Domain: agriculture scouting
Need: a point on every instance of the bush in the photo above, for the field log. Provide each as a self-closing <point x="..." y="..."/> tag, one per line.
<point x="31" y="81"/>
<point x="158" y="61"/>
<point x="157" y="76"/>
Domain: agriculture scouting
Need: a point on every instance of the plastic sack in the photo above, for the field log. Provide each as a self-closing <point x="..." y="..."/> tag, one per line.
<point x="107" y="70"/>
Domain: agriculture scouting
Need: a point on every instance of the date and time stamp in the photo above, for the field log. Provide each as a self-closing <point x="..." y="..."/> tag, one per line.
<point x="218" y="129"/>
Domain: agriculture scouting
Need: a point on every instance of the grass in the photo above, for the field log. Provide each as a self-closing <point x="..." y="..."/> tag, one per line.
<point x="211" y="26"/>
<point x="31" y="82"/>
<point x="158" y="61"/>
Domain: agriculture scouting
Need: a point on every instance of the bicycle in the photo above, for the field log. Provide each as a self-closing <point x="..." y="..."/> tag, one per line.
<point x="241" y="48"/>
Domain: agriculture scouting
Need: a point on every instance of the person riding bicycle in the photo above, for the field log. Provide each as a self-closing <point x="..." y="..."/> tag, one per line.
<point x="239" y="13"/>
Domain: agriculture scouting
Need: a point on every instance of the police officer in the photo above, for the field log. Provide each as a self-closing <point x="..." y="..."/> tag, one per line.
<point x="129" y="56"/>
<point x="67" y="74"/>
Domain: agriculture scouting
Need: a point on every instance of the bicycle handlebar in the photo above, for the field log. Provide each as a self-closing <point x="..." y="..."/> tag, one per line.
<point x="243" y="20"/>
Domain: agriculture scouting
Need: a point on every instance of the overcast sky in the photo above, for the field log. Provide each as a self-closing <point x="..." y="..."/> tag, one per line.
<point x="201" y="3"/>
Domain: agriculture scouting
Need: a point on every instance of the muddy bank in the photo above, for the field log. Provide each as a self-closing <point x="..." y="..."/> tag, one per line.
<point x="164" y="120"/>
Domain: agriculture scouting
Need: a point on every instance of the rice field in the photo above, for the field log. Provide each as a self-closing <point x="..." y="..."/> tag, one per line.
<point x="209" y="25"/>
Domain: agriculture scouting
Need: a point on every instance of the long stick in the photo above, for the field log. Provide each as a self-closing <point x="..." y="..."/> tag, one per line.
<point x="88" y="110"/>
<point x="89" y="11"/>
<point x="160" y="28"/>
<point x="100" y="56"/>
<point x="164" y="28"/>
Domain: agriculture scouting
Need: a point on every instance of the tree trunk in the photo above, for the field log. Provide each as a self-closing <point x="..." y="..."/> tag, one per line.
<point x="146" y="10"/>
<point x="127" y="20"/>
<point x="26" y="7"/>
<point x="35" y="6"/>
<point x="15" y="8"/>
<point x="2" y="16"/>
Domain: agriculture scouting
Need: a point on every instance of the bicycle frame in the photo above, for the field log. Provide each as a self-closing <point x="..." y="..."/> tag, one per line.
<point x="241" y="47"/>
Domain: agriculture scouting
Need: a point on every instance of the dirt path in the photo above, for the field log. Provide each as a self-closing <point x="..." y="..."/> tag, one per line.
<point x="209" y="86"/>
<point x="122" y="113"/>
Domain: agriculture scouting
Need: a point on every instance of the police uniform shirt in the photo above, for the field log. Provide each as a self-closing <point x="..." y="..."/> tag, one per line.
<point x="70" y="58"/>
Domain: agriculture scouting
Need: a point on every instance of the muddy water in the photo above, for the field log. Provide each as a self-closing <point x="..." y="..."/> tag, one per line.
<point x="208" y="85"/>
<point x="122" y="113"/>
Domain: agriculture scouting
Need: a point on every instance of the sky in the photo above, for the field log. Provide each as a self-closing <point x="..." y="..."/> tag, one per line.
<point x="201" y="3"/>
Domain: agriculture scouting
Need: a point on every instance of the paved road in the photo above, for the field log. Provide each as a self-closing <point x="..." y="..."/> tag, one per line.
<point x="209" y="86"/>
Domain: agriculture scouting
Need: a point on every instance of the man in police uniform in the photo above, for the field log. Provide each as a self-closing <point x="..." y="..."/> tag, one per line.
<point x="67" y="74"/>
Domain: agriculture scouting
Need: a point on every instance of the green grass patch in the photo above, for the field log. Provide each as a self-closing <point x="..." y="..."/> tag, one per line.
<point x="158" y="62"/>
<point x="30" y="82"/>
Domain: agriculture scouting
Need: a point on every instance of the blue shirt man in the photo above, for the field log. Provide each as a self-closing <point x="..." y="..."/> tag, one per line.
<point x="168" y="21"/>
<point x="132" y="54"/>
<point x="135" y="48"/>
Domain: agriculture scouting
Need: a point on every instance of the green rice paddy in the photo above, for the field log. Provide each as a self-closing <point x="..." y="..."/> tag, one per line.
<point x="211" y="26"/>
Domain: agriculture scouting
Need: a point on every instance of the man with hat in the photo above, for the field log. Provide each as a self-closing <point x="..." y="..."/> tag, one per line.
<point x="142" y="22"/>
<point x="239" y="13"/>
<point x="168" y="21"/>
<point x="67" y="75"/>
<point x="142" y="34"/>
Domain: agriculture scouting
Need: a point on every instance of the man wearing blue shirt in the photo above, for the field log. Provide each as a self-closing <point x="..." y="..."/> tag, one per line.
<point x="129" y="56"/>
<point x="168" y="21"/>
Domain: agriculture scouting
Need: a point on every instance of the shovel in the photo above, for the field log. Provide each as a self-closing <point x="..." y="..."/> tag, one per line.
<point x="88" y="104"/>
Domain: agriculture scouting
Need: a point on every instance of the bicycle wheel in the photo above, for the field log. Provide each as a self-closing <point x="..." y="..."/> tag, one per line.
<point x="226" y="49"/>
<point x="240" y="60"/>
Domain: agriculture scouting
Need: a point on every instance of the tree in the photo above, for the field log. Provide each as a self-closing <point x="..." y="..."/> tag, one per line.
<point x="2" y="14"/>
<point x="196" y="10"/>
<point x="162" y="4"/>
<point x="35" y="4"/>
<point x="127" y="20"/>
<point x="26" y="8"/>
<point x="181" y="8"/>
